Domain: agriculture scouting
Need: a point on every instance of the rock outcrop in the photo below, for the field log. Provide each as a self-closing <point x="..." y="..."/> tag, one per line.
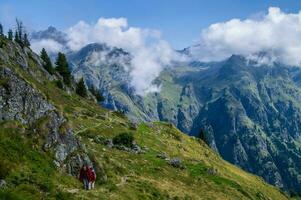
<point x="20" y="101"/>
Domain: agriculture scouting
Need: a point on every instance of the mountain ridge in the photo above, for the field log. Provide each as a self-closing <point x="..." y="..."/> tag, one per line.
<point x="31" y="173"/>
<point x="187" y="91"/>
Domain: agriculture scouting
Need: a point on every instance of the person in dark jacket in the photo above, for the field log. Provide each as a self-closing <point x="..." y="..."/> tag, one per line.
<point x="84" y="176"/>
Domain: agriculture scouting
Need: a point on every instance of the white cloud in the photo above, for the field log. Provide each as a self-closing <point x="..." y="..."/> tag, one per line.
<point x="50" y="45"/>
<point x="150" y="53"/>
<point x="276" y="33"/>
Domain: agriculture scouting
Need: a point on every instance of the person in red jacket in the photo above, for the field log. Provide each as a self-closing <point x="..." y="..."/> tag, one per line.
<point x="85" y="176"/>
<point x="92" y="178"/>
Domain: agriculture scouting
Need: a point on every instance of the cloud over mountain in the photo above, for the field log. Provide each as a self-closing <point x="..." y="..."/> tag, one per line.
<point x="276" y="32"/>
<point x="150" y="52"/>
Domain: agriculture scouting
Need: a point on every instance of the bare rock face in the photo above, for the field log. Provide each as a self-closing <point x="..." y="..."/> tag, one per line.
<point x="22" y="102"/>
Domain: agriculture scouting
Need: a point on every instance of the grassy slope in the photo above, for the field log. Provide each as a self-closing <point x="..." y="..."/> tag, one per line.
<point x="32" y="175"/>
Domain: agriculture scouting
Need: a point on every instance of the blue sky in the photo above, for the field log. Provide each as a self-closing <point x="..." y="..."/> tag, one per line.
<point x="180" y="21"/>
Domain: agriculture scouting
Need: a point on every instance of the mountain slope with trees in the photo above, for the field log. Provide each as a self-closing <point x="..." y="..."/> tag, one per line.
<point x="160" y="162"/>
<point x="248" y="112"/>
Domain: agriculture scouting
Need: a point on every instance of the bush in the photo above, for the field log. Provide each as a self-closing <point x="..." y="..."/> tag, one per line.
<point x="125" y="139"/>
<point x="5" y="169"/>
<point x="60" y="84"/>
<point x="81" y="89"/>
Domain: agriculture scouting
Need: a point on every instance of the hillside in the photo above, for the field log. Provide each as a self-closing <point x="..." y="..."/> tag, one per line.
<point x="46" y="133"/>
<point x="250" y="112"/>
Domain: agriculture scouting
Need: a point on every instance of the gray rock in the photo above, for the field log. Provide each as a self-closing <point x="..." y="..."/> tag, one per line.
<point x="75" y="162"/>
<point x="212" y="171"/>
<point x="137" y="149"/>
<point x="162" y="155"/>
<point x="122" y="148"/>
<point x="100" y="140"/>
<point x="3" y="183"/>
<point x="22" y="102"/>
<point x="176" y="162"/>
<point x="133" y="126"/>
<point x="109" y="143"/>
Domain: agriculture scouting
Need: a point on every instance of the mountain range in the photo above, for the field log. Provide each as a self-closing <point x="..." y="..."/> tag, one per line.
<point x="47" y="132"/>
<point x="247" y="111"/>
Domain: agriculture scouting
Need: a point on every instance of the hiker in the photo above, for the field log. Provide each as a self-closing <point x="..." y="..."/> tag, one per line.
<point x="84" y="176"/>
<point x="92" y="178"/>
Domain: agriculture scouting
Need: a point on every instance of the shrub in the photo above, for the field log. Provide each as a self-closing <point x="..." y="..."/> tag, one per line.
<point x="5" y="169"/>
<point x="81" y="89"/>
<point x="60" y="84"/>
<point x="125" y="139"/>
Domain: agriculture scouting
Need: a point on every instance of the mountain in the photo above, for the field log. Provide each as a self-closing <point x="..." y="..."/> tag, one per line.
<point x="250" y="112"/>
<point x="51" y="33"/>
<point x="47" y="133"/>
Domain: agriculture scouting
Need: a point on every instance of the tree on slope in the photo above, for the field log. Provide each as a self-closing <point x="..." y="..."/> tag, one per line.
<point x="47" y="62"/>
<point x="81" y="89"/>
<point x="1" y="30"/>
<point x="63" y="69"/>
<point x="10" y="35"/>
<point x="96" y="93"/>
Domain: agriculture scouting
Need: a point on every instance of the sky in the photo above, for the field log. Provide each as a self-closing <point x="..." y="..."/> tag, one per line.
<point x="179" y="21"/>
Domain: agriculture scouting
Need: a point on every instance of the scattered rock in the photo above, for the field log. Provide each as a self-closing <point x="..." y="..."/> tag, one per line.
<point x="162" y="155"/>
<point x="123" y="124"/>
<point x="212" y="171"/>
<point x="75" y="114"/>
<point x="133" y="126"/>
<point x="2" y="183"/>
<point x="122" y="148"/>
<point x="109" y="143"/>
<point x="99" y="139"/>
<point x="73" y="191"/>
<point x="103" y="117"/>
<point x="134" y="149"/>
<point x="177" y="163"/>
<point x="145" y="148"/>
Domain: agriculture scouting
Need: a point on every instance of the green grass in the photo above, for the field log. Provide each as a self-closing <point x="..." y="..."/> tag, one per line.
<point x="30" y="173"/>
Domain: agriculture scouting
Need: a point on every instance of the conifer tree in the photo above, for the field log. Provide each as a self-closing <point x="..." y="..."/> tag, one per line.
<point x="63" y="68"/>
<point x="203" y="135"/>
<point x="47" y="62"/>
<point x="10" y="34"/>
<point x="16" y="37"/>
<point x="25" y="40"/>
<point x="19" y="33"/>
<point x="81" y="89"/>
<point x="1" y="30"/>
<point x="96" y="93"/>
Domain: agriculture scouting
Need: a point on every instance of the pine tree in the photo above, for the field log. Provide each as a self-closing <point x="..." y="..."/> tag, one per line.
<point x="96" y="93"/>
<point x="63" y="68"/>
<point x="16" y="37"/>
<point x="10" y="34"/>
<point x="25" y="40"/>
<point x="20" y="29"/>
<point x="203" y="135"/>
<point x="81" y="88"/>
<point x="19" y="33"/>
<point x="1" y="30"/>
<point x="47" y="62"/>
